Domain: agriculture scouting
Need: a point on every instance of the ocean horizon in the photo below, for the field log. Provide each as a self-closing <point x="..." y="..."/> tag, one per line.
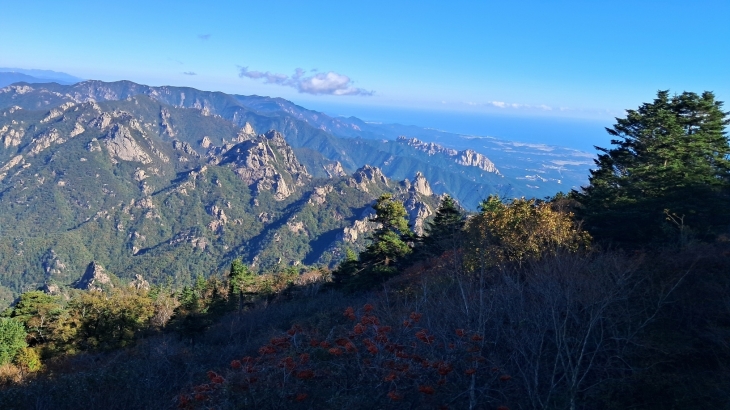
<point x="576" y="133"/>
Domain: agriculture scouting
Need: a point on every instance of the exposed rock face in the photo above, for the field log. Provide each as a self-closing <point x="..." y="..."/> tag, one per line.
<point x="319" y="196"/>
<point x="78" y="129"/>
<point x="17" y="89"/>
<point x="296" y="227"/>
<point x="165" y="123"/>
<point x="417" y="213"/>
<point x="11" y="137"/>
<point x="185" y="147"/>
<point x="139" y="283"/>
<point x="219" y="219"/>
<point x="266" y="163"/>
<point x="95" y="278"/>
<point x="334" y="170"/>
<point x="367" y="175"/>
<point x="57" y="112"/>
<point x="421" y="185"/>
<point x="471" y="158"/>
<point x="468" y="158"/>
<point x="140" y="175"/>
<point x="13" y="162"/>
<point x="52" y="265"/>
<point x="121" y="145"/>
<point x="102" y="121"/>
<point x="93" y="145"/>
<point x="206" y="142"/>
<point x="246" y="133"/>
<point x="358" y="228"/>
<point x="51" y="289"/>
<point x="45" y="139"/>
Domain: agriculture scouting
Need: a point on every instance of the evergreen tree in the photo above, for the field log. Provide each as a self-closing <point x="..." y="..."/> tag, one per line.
<point x="347" y="269"/>
<point x="388" y="246"/>
<point x="389" y="239"/>
<point x="241" y="283"/>
<point x="12" y="339"/>
<point x="444" y="232"/>
<point x="668" y="169"/>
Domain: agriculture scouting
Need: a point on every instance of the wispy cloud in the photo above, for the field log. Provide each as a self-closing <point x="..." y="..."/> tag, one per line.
<point x="502" y="104"/>
<point x="329" y="83"/>
<point x="204" y="37"/>
<point x="190" y="73"/>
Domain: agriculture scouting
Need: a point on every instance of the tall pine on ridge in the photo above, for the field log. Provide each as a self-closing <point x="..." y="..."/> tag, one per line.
<point x="668" y="171"/>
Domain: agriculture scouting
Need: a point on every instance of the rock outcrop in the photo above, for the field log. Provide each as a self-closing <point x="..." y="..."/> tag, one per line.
<point x="122" y="146"/>
<point x="467" y="158"/>
<point x="365" y="176"/>
<point x="95" y="278"/>
<point x="334" y="170"/>
<point x="267" y="163"/>
<point x="11" y="137"/>
<point x="139" y="283"/>
<point x="421" y="186"/>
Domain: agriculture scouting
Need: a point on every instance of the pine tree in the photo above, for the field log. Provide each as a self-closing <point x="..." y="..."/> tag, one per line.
<point x="668" y="170"/>
<point x="12" y="339"/>
<point x="444" y="232"/>
<point x="389" y="246"/>
<point x="241" y="282"/>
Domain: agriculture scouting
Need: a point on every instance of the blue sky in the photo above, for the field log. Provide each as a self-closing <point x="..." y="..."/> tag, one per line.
<point x="583" y="59"/>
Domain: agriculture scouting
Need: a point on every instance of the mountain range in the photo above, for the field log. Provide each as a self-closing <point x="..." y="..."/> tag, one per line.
<point x="172" y="182"/>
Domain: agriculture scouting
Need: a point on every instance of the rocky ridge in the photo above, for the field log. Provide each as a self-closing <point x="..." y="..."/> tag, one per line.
<point x="468" y="157"/>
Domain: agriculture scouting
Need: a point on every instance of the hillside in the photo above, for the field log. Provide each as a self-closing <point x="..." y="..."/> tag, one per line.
<point x="141" y="187"/>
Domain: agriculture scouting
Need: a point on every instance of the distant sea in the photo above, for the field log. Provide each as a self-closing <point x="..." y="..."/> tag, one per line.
<point x="581" y="134"/>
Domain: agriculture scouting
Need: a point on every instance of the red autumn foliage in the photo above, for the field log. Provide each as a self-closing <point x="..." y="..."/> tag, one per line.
<point x="350" y="313"/>
<point x="305" y="374"/>
<point x="426" y="389"/>
<point x="395" y="356"/>
<point x="394" y="395"/>
<point x="301" y="397"/>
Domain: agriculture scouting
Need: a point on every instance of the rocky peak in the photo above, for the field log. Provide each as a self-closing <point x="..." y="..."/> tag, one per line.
<point x="418" y="211"/>
<point x="334" y="169"/>
<point x="471" y="158"/>
<point x="421" y="186"/>
<point x="95" y="278"/>
<point x="368" y="175"/>
<point x="268" y="163"/>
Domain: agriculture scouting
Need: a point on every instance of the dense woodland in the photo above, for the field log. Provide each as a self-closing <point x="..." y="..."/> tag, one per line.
<point x="612" y="297"/>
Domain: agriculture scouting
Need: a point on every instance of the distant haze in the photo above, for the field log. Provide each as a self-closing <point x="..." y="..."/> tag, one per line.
<point x="576" y="133"/>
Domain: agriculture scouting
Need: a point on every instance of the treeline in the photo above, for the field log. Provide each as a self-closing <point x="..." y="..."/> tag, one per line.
<point x="42" y="327"/>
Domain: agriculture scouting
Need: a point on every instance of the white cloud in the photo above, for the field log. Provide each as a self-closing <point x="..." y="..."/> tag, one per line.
<point x="502" y="104"/>
<point x="329" y="83"/>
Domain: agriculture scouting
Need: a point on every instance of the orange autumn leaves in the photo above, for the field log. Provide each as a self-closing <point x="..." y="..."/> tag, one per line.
<point x="406" y="363"/>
